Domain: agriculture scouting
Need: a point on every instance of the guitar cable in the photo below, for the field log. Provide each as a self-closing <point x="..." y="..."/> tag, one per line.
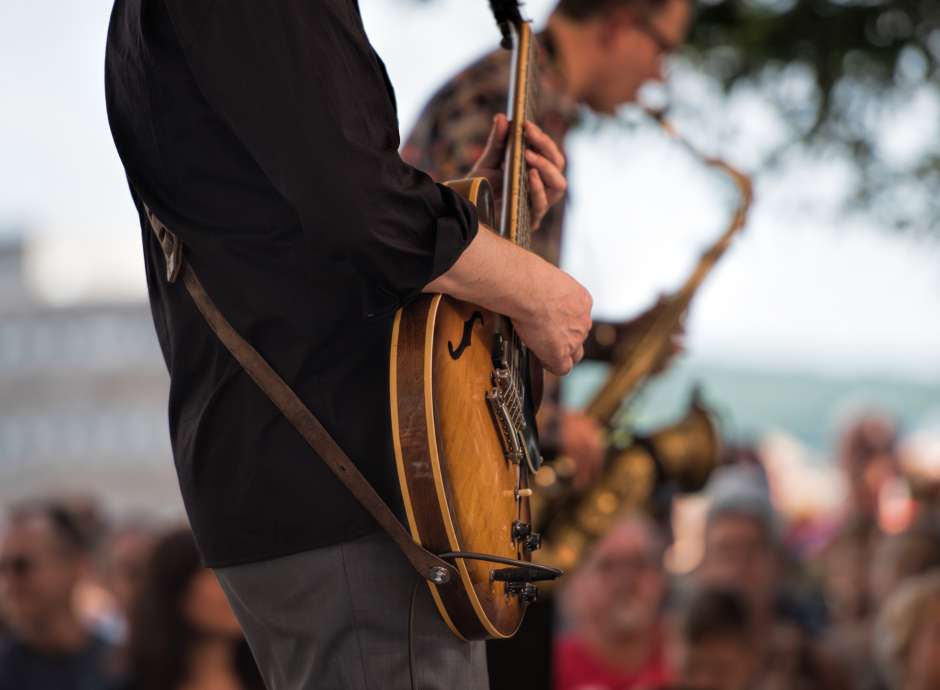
<point x="533" y="572"/>
<point x="411" y="633"/>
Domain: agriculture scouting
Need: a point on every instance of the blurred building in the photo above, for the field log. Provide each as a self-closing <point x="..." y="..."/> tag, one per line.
<point x="83" y="392"/>
<point x="13" y="290"/>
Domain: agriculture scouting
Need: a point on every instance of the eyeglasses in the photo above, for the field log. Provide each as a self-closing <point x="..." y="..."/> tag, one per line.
<point x="664" y="46"/>
<point x="17" y="566"/>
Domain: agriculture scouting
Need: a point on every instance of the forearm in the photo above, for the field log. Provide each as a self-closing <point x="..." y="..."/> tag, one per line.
<point x="494" y="273"/>
<point x="550" y="310"/>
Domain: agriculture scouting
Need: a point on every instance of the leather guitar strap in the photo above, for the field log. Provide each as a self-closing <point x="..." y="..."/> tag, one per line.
<point x="427" y="565"/>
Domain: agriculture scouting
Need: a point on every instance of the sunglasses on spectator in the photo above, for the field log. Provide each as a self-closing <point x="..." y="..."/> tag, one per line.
<point x="17" y="566"/>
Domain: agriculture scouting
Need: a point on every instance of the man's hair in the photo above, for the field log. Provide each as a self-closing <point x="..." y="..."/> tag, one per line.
<point x="580" y="10"/>
<point x="62" y="522"/>
<point x="743" y="491"/>
<point x="714" y="612"/>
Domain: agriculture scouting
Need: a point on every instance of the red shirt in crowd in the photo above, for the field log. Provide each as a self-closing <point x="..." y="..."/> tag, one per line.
<point x="576" y="668"/>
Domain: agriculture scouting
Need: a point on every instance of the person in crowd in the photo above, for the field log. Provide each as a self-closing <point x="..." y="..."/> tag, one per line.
<point x="183" y="634"/>
<point x="843" y="572"/>
<point x="888" y="564"/>
<point x="89" y="515"/>
<point x="898" y="557"/>
<point x="711" y="644"/>
<point x="843" y="565"/>
<point x="741" y="538"/>
<point x="94" y="599"/>
<point x="868" y="455"/>
<point x="43" y="557"/>
<point x="860" y="564"/>
<point x="742" y="552"/>
<point x="123" y="566"/>
<point x="907" y="636"/>
<point x="612" y="605"/>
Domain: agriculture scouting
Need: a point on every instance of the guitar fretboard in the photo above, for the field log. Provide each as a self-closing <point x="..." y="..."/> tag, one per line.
<point x="515" y="223"/>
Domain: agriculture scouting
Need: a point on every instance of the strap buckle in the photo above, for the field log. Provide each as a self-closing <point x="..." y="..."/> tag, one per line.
<point x="172" y="247"/>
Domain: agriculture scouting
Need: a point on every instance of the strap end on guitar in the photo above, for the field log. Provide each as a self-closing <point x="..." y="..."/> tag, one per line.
<point x="172" y="247"/>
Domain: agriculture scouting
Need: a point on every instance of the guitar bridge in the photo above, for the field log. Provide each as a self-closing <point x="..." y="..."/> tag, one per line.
<point x="505" y="403"/>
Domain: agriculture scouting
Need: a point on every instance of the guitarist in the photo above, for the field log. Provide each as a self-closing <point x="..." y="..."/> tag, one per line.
<point x="263" y="133"/>
<point x="594" y="54"/>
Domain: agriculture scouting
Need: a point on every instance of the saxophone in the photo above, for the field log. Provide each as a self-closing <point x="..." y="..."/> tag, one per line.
<point x="638" y="358"/>
<point x="683" y="453"/>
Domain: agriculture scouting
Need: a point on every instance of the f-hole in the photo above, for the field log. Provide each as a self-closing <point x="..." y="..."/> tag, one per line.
<point x="455" y="353"/>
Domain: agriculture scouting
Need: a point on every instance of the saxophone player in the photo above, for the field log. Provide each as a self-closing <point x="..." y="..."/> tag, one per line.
<point x="594" y="54"/>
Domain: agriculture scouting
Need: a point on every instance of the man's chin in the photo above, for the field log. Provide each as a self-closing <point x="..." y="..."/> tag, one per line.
<point x="612" y="110"/>
<point x="606" y="110"/>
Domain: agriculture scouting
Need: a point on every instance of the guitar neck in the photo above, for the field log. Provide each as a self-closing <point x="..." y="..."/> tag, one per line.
<point x="514" y="220"/>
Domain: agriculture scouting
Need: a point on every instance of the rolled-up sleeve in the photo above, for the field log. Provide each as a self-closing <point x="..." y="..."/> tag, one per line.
<point x="298" y="83"/>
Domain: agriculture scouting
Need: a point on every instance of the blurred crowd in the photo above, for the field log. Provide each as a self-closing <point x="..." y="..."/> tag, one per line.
<point x="89" y="603"/>
<point x="849" y="600"/>
<point x="86" y="605"/>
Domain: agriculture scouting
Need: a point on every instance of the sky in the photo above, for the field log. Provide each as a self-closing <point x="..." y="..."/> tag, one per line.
<point x="807" y="289"/>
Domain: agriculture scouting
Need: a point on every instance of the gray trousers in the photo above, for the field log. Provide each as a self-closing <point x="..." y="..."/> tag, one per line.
<point x="336" y="618"/>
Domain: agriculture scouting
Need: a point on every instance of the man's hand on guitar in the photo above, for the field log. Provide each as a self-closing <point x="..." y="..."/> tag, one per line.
<point x="557" y="320"/>
<point x="546" y="179"/>
<point x="550" y="310"/>
<point x="547" y="183"/>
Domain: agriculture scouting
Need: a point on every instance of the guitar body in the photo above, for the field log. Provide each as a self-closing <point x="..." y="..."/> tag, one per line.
<point x="462" y="490"/>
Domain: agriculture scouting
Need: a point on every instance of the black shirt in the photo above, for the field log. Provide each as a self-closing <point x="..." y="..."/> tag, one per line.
<point x="25" y="668"/>
<point x="264" y="133"/>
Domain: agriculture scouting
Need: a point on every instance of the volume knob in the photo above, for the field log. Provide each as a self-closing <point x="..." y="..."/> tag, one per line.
<point x="533" y="542"/>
